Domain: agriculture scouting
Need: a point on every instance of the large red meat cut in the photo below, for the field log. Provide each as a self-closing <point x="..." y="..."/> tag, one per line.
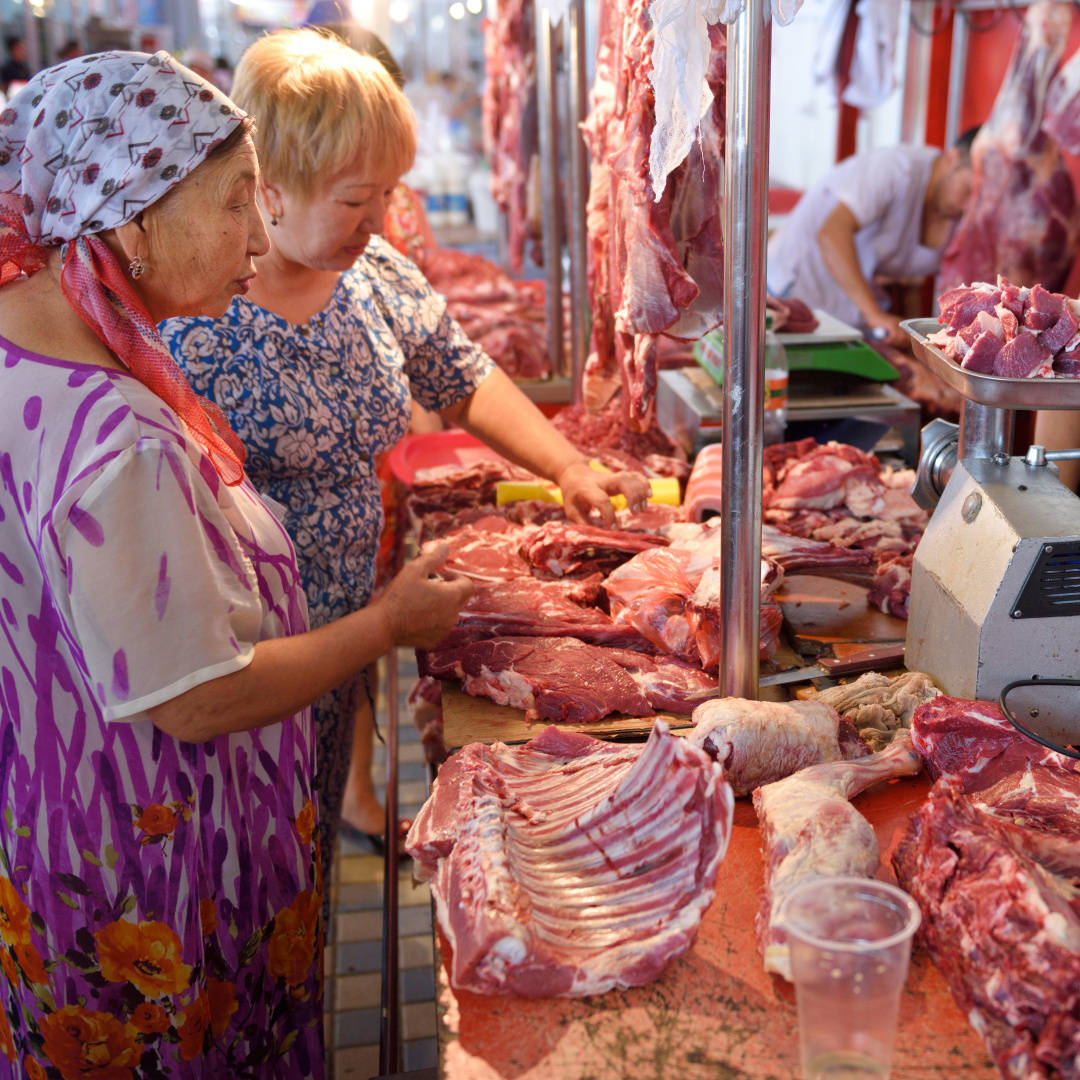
<point x="809" y="829"/>
<point x="554" y="679"/>
<point x="565" y="550"/>
<point x="973" y="743"/>
<point x="759" y="742"/>
<point x="1002" y="931"/>
<point x="570" y="866"/>
<point x="532" y="608"/>
<point x="510" y="114"/>
<point x="655" y="265"/>
<point x="1021" y="219"/>
<point x="564" y="679"/>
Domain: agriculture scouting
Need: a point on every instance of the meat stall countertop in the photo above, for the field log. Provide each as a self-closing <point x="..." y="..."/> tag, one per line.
<point x="714" y="1012"/>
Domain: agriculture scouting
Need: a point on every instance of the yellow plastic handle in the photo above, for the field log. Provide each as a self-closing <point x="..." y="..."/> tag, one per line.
<point x="662" y="489"/>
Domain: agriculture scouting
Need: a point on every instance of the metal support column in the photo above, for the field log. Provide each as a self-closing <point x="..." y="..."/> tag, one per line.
<point x="916" y="74"/>
<point x="985" y="430"/>
<point x="957" y="71"/>
<point x="389" y="1037"/>
<point x="746" y="174"/>
<point x="547" y="38"/>
<point x="578" y="194"/>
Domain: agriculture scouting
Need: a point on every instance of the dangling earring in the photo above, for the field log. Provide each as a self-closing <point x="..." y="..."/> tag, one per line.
<point x="136" y="268"/>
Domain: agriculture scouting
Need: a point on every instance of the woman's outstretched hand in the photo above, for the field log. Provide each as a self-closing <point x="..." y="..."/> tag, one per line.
<point x="587" y="493"/>
<point x="422" y="609"/>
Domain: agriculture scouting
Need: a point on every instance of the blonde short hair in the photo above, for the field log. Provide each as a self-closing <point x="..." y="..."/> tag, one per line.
<point x="319" y="107"/>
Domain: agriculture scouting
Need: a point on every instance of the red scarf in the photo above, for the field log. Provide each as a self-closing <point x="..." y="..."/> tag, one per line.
<point x="96" y="288"/>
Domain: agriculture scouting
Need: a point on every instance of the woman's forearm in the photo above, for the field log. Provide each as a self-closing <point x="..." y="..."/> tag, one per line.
<point x="285" y="675"/>
<point x="499" y="414"/>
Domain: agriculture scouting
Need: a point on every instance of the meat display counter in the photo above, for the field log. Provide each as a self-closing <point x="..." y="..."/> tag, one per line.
<point x="714" y="1012"/>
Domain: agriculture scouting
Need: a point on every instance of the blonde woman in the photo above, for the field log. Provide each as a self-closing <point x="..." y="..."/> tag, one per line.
<point x="317" y="365"/>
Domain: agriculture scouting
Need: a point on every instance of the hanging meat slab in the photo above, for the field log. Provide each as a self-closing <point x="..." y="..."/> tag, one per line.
<point x="655" y="263"/>
<point x="1021" y="220"/>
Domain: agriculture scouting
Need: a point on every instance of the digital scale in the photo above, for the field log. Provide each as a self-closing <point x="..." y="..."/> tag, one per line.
<point x="833" y="377"/>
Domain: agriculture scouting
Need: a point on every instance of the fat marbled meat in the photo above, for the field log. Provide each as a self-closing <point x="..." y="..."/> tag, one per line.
<point x="809" y="829"/>
<point x="569" y="866"/>
<point x="973" y="743"/>
<point x="759" y="742"/>
<point x="1004" y="931"/>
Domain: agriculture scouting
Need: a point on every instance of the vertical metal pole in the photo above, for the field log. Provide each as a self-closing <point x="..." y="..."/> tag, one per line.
<point x="916" y="73"/>
<point x="578" y="195"/>
<point x="746" y="173"/>
<point x="549" y="182"/>
<point x="388" y="1025"/>
<point x="957" y="71"/>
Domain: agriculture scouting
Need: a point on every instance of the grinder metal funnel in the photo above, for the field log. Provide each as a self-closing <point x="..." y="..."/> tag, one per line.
<point x="995" y="586"/>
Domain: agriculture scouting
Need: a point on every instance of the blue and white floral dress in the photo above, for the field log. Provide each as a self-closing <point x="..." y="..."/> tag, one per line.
<point x="315" y="404"/>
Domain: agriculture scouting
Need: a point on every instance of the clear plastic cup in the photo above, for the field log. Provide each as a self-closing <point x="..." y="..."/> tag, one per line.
<point x="850" y="942"/>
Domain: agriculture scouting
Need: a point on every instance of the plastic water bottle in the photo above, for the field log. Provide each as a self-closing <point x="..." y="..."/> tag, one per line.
<point x="776" y="389"/>
<point x="455" y="191"/>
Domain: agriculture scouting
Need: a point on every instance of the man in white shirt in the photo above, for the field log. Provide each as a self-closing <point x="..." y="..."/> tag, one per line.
<point x="885" y="213"/>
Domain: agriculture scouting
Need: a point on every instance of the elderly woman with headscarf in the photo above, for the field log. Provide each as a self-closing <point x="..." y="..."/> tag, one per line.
<point x="160" y="880"/>
<point x="317" y="365"/>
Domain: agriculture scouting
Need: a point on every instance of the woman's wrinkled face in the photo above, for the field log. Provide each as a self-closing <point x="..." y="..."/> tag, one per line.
<point x="329" y="229"/>
<point x="201" y="239"/>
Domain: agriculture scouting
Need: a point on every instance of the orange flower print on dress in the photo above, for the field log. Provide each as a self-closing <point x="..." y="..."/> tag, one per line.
<point x="29" y="959"/>
<point x="146" y="954"/>
<point x="156" y="820"/>
<point x="14" y="915"/>
<point x="87" y="1045"/>
<point x="7" y="1044"/>
<point x="150" y="1018"/>
<point x="34" y="1069"/>
<point x="292" y="943"/>
<point x="223" y="1004"/>
<point x="207" y="915"/>
<point x="7" y="962"/>
<point x="192" y="1026"/>
<point x="305" y="822"/>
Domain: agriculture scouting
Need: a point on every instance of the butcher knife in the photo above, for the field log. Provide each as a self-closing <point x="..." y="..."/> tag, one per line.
<point x="872" y="657"/>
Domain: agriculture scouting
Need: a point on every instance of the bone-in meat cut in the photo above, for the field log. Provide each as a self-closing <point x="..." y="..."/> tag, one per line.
<point x="972" y="742"/>
<point x="569" y="866"/>
<point x="561" y="549"/>
<point x="759" y="742"/>
<point x="1002" y="931"/>
<point x="1021" y="218"/>
<point x="809" y="829"/>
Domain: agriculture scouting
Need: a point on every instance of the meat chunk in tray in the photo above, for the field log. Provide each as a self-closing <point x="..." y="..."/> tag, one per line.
<point x="570" y="866"/>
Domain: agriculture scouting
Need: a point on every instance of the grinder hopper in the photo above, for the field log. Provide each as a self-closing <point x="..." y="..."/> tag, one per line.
<point x="995" y="587"/>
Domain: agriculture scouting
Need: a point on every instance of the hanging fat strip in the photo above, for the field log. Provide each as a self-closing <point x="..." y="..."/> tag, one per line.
<point x="655" y="263"/>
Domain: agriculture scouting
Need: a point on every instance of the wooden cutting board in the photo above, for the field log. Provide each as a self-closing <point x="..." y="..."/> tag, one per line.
<point x="472" y="719"/>
<point x="820" y="612"/>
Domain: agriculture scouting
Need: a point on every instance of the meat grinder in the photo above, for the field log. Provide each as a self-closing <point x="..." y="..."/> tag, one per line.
<point x="995" y="585"/>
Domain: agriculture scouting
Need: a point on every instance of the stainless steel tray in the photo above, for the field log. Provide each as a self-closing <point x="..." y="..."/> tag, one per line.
<point x="990" y="389"/>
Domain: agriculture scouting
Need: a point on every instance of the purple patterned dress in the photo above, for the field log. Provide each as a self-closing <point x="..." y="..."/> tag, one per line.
<point x="159" y="900"/>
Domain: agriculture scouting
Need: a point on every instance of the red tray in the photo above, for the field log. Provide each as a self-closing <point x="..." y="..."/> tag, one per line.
<point x="435" y="448"/>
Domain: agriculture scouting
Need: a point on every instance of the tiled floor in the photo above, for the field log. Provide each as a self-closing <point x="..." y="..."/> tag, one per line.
<point x="354" y="952"/>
